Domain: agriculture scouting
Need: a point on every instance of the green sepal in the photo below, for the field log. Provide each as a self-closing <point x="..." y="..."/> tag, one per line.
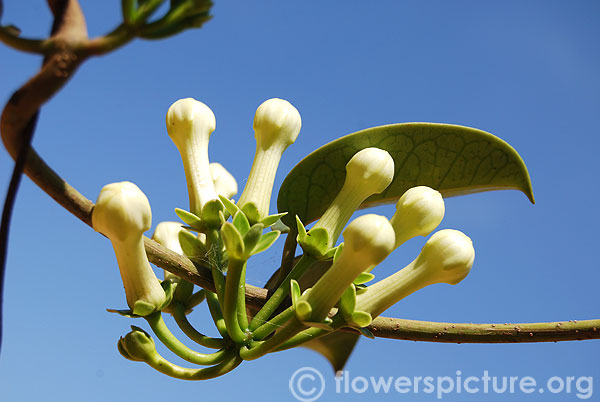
<point x="301" y="229"/>
<point x="280" y="227"/>
<point x="326" y="324"/>
<point x="234" y="243"/>
<point x="360" y="289"/>
<point x="252" y="238"/>
<point x="183" y="291"/>
<point x="315" y="243"/>
<point x="142" y="308"/>
<point x="169" y="287"/>
<point x="266" y="241"/>
<point x="295" y="293"/>
<point x="365" y="332"/>
<point x="303" y="310"/>
<point x="272" y="219"/>
<point x="212" y="213"/>
<point x="347" y="302"/>
<point x="338" y="252"/>
<point x="241" y="222"/>
<point x="330" y="253"/>
<point x="229" y="205"/>
<point x="251" y="212"/>
<point x="190" y="219"/>
<point x="125" y="313"/>
<point x="360" y="319"/>
<point x="191" y="245"/>
<point x="363" y="278"/>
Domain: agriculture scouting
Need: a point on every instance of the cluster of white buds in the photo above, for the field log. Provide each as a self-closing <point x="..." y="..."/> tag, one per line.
<point x="276" y="126"/>
<point x="122" y="213"/>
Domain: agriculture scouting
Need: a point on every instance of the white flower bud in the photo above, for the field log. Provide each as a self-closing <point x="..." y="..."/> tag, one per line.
<point x="122" y="213"/>
<point x="189" y="124"/>
<point x="368" y="240"/>
<point x="446" y="258"/>
<point x="418" y="212"/>
<point x="369" y="172"/>
<point x="167" y="234"/>
<point x="225" y="183"/>
<point x="276" y="126"/>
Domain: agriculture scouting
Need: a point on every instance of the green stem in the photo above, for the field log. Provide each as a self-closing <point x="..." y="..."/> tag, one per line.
<point x="232" y="290"/>
<point x="262" y="348"/>
<point x="164" y="366"/>
<point x="281" y="293"/>
<point x="170" y="341"/>
<point x="273" y="324"/>
<point x="216" y="313"/>
<point x="215" y="260"/>
<point x="241" y="308"/>
<point x="192" y="333"/>
<point x="310" y="335"/>
<point x="195" y="299"/>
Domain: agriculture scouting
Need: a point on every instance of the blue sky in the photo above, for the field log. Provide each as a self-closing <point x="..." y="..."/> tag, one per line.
<point x="524" y="71"/>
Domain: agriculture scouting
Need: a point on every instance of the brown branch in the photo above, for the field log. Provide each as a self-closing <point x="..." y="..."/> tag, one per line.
<point x="69" y="34"/>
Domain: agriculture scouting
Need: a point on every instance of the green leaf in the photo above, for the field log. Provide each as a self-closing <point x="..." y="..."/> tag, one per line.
<point x="452" y="159"/>
<point x="347" y="302"/>
<point x="266" y="241"/>
<point x="272" y="219"/>
<point x="335" y="347"/>
<point x="361" y="318"/>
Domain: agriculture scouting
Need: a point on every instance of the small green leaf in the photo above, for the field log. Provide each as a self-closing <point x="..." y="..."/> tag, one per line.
<point x="251" y="212"/>
<point x="452" y="159"/>
<point x="303" y="310"/>
<point x="241" y="222"/>
<point x="233" y="240"/>
<point x="189" y="218"/>
<point x="266" y="241"/>
<point x="338" y="252"/>
<point x="363" y="278"/>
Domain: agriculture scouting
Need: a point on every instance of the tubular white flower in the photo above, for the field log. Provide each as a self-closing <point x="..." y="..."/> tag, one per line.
<point x="122" y="213"/>
<point x="418" y="212"/>
<point x="224" y="182"/>
<point x="190" y="124"/>
<point x="369" y="172"/>
<point x="368" y="240"/>
<point x="167" y="234"/>
<point x="276" y="126"/>
<point x="446" y="258"/>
